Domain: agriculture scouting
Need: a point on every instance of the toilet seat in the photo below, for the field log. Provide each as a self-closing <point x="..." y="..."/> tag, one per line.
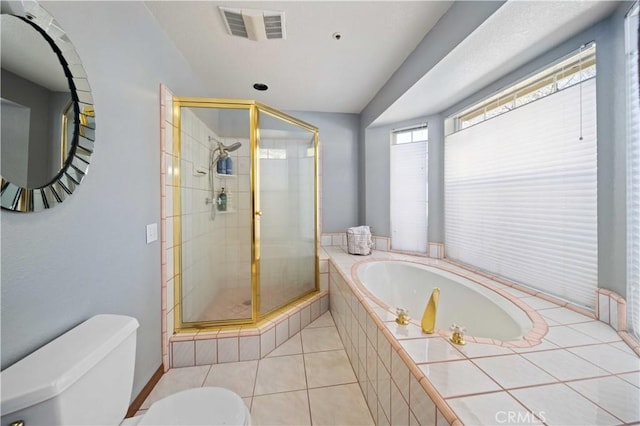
<point x="198" y="406"/>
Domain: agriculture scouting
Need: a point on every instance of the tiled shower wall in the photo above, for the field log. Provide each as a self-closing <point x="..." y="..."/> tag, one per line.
<point x="216" y="245"/>
<point x="197" y="229"/>
<point x="235" y="242"/>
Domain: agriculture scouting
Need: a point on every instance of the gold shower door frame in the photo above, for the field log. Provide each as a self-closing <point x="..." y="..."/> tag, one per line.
<point x="255" y="109"/>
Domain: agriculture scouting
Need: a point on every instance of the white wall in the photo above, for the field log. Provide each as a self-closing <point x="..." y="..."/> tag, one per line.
<point x="88" y="255"/>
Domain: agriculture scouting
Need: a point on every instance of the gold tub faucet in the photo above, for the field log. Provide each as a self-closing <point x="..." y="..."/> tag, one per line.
<point x="429" y="316"/>
<point x="403" y="316"/>
<point x="457" y="336"/>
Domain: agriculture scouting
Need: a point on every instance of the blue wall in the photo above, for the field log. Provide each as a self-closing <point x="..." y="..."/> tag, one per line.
<point x="88" y="255"/>
<point x="339" y="167"/>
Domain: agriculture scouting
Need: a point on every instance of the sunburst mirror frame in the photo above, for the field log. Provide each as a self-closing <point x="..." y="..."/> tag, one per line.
<point x="20" y="199"/>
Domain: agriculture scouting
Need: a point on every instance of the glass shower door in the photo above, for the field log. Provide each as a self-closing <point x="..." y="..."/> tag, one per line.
<point x="215" y="214"/>
<point x="286" y="222"/>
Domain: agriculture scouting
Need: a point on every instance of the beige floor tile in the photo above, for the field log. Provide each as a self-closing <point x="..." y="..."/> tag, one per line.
<point x="339" y="405"/>
<point x="176" y="380"/>
<point x="238" y="377"/>
<point x="328" y="368"/>
<point x="280" y="374"/>
<point x="324" y="320"/>
<point x="320" y="339"/>
<point x="288" y="408"/>
<point x="290" y="347"/>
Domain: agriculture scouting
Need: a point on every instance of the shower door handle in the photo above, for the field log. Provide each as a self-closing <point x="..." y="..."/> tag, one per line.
<point x="259" y="213"/>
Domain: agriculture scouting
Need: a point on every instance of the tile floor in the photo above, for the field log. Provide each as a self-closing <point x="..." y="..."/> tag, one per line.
<point x="308" y="380"/>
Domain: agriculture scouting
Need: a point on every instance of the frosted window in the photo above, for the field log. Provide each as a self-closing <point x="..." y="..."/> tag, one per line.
<point x="521" y="196"/>
<point x="409" y="191"/>
<point x="569" y="71"/>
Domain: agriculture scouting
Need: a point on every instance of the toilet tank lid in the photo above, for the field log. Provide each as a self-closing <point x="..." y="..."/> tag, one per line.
<point x="50" y="370"/>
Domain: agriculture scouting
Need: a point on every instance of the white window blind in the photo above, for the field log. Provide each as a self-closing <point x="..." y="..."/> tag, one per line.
<point x="633" y="174"/>
<point x="409" y="190"/>
<point x="521" y="196"/>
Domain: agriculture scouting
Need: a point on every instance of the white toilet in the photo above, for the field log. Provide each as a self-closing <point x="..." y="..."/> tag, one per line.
<point x="85" y="377"/>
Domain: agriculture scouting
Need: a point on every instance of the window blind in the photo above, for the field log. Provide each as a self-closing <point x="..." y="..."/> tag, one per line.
<point x="633" y="174"/>
<point x="521" y="195"/>
<point x="409" y="196"/>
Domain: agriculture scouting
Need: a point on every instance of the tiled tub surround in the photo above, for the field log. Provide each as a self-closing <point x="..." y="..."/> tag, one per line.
<point x="433" y="250"/>
<point x="580" y="373"/>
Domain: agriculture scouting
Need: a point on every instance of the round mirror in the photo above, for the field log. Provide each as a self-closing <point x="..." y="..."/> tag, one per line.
<point x="48" y="120"/>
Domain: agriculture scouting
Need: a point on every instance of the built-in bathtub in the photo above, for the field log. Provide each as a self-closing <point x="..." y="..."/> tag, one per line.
<point x="392" y="362"/>
<point x="408" y="285"/>
<point x="408" y="377"/>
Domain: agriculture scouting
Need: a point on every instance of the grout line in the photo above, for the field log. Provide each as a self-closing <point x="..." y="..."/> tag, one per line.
<point x="206" y="376"/>
<point x="469" y="395"/>
<point x="579" y="346"/>
<point x="570" y="380"/>
<point x="486" y="374"/>
<point x="306" y="382"/>
<point x="255" y="381"/>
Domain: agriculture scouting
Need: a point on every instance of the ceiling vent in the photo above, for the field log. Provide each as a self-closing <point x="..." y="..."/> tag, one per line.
<point x="253" y="24"/>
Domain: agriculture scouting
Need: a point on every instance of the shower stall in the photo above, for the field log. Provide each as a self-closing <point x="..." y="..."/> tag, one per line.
<point x="245" y="212"/>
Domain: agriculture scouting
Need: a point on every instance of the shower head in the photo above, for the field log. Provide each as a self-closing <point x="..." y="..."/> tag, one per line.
<point x="224" y="150"/>
<point x="230" y="148"/>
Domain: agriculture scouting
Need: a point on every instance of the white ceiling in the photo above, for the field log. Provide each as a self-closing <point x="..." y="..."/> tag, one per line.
<point x="309" y="70"/>
<point x="313" y="72"/>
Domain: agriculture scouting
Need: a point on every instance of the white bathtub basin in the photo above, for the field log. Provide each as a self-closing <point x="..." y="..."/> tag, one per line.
<point x="408" y="285"/>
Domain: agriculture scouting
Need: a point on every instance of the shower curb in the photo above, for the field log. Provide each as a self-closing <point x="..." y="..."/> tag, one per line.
<point x="247" y="342"/>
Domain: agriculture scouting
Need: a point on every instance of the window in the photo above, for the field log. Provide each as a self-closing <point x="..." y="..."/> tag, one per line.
<point x="566" y="73"/>
<point x="409" y="199"/>
<point x="521" y="190"/>
<point x="633" y="174"/>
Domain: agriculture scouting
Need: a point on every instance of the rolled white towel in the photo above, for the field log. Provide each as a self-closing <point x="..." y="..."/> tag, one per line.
<point x="360" y="230"/>
<point x="359" y="240"/>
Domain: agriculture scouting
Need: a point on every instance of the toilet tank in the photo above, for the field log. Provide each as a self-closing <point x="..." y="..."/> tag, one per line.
<point x="83" y="377"/>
